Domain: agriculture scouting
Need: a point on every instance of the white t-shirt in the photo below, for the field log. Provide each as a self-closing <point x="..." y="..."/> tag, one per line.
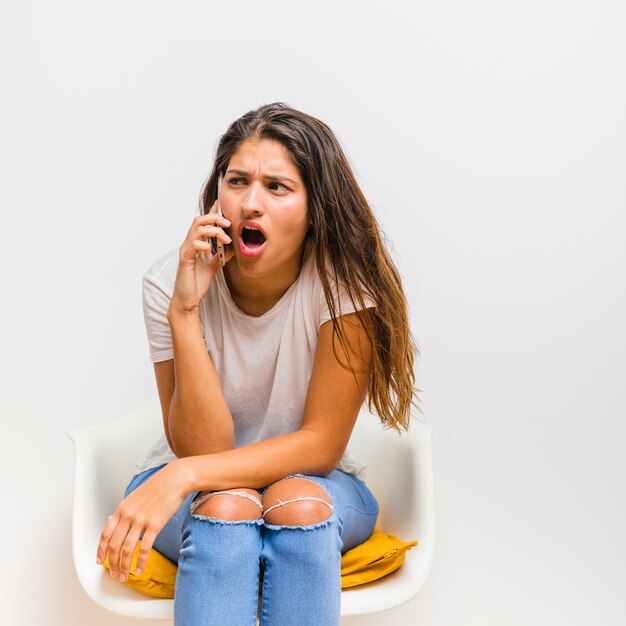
<point x="264" y="363"/>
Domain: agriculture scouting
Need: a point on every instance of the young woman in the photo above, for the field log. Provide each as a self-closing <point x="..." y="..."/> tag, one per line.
<point x="262" y="367"/>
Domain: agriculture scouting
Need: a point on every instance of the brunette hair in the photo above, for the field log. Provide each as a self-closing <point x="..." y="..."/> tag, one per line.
<point x="348" y="245"/>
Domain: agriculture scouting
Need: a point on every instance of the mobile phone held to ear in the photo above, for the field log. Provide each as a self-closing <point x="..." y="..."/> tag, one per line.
<point x="217" y="247"/>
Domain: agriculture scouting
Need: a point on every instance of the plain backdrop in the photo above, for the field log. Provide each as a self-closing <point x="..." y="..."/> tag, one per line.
<point x="489" y="136"/>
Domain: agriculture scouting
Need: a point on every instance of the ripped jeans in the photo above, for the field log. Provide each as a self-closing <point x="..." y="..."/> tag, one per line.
<point x="230" y="572"/>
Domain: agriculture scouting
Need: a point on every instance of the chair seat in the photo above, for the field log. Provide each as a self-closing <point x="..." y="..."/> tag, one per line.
<point x="399" y="474"/>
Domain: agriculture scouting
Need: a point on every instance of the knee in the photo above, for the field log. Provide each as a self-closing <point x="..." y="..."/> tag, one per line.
<point x="231" y="505"/>
<point x="296" y="502"/>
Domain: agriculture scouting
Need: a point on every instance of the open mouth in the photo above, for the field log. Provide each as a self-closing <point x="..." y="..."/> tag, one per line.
<point x="252" y="237"/>
<point x="251" y="241"/>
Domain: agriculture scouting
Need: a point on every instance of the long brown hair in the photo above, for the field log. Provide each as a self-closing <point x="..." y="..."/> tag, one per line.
<point x="348" y="246"/>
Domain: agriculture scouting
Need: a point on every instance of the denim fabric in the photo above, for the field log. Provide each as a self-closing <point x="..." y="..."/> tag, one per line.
<point x="221" y="562"/>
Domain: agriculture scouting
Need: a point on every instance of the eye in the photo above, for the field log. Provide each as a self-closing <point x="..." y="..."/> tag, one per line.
<point x="236" y="180"/>
<point x="274" y="186"/>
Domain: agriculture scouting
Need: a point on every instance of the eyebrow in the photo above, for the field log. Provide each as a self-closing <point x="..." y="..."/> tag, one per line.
<point x="280" y="179"/>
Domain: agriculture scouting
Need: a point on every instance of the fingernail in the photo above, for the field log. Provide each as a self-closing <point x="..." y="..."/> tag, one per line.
<point x="99" y="561"/>
<point x="123" y="578"/>
<point x="138" y="571"/>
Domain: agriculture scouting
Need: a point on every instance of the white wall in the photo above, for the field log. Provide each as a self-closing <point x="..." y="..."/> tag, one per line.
<point x="490" y="136"/>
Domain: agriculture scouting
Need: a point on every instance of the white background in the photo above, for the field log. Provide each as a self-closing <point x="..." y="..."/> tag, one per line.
<point x="491" y="139"/>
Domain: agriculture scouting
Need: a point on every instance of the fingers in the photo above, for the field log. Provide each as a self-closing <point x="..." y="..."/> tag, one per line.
<point x="203" y="229"/>
<point x="103" y="544"/>
<point x="127" y="551"/>
<point x="111" y="541"/>
<point x="214" y="219"/>
<point x="117" y="542"/>
<point x="144" y="552"/>
<point x="205" y="253"/>
<point x="115" y="548"/>
<point x="207" y="231"/>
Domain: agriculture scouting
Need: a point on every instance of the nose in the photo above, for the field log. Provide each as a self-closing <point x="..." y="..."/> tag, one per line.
<point x="252" y="200"/>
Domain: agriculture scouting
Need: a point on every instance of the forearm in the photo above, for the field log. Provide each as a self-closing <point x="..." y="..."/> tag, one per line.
<point x="260" y="464"/>
<point x="199" y="419"/>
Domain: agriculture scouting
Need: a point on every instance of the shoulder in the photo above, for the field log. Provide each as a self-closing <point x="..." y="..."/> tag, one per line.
<point x="157" y="289"/>
<point x="161" y="275"/>
<point x="342" y="301"/>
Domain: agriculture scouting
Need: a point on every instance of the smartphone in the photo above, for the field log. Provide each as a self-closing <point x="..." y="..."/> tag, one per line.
<point x="217" y="247"/>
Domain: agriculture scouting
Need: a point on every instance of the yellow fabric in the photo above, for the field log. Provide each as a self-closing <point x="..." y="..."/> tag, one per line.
<point x="380" y="555"/>
<point x="158" y="579"/>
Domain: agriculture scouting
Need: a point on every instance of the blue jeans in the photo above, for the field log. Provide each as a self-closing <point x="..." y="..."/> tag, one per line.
<point x="221" y="563"/>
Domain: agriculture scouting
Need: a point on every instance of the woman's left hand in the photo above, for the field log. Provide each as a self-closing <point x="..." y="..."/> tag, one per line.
<point x="144" y="511"/>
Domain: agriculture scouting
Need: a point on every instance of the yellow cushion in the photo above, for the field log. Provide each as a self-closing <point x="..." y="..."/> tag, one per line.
<point x="158" y="579"/>
<point x="380" y="555"/>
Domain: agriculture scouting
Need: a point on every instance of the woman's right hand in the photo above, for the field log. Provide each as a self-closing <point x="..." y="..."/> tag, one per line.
<point x="196" y="265"/>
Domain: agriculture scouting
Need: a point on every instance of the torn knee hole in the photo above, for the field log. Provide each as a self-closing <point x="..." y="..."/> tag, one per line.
<point x="300" y="499"/>
<point x="301" y="511"/>
<point x="296" y="501"/>
<point x="230" y="505"/>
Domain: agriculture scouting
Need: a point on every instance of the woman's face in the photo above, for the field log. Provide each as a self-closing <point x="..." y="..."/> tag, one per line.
<point x="265" y="199"/>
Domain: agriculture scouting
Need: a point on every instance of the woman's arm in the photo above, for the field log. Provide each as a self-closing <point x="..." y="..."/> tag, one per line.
<point x="334" y="398"/>
<point x="199" y="420"/>
<point x="196" y="418"/>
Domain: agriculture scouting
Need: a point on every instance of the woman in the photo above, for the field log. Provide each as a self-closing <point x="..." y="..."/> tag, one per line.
<point x="262" y="367"/>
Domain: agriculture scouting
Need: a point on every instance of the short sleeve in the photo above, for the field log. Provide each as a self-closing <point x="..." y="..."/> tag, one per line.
<point x="158" y="286"/>
<point x="343" y="302"/>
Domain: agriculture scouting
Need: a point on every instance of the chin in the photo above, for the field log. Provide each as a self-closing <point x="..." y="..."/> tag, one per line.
<point x="258" y="267"/>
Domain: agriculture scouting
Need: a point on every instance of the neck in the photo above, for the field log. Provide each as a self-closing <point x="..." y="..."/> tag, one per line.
<point x="257" y="295"/>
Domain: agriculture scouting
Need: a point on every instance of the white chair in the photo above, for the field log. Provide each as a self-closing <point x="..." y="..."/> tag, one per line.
<point x="399" y="473"/>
